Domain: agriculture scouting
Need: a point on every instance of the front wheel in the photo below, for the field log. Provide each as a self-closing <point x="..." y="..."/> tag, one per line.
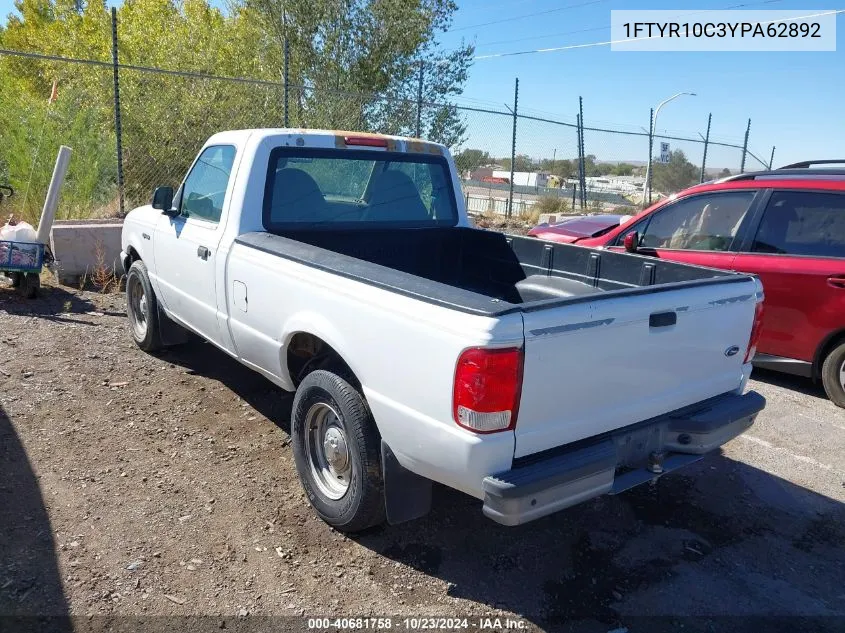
<point x="337" y="450"/>
<point x="142" y="308"/>
<point x="833" y="375"/>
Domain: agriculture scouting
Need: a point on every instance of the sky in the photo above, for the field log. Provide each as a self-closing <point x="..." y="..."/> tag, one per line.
<point x="794" y="99"/>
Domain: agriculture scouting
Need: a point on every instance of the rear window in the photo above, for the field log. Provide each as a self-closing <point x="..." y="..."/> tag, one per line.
<point x="326" y="188"/>
<point x="803" y="223"/>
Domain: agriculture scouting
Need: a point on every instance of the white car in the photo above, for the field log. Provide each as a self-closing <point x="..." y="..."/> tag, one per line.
<point x="528" y="374"/>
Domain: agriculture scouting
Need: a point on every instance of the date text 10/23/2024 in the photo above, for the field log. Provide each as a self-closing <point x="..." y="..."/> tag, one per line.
<point x="417" y="624"/>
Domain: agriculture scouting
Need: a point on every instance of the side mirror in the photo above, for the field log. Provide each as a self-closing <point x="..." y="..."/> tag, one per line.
<point x="163" y="200"/>
<point x="632" y="242"/>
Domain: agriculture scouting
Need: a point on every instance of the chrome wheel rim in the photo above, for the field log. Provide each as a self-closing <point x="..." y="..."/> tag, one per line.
<point x="137" y="302"/>
<point x="842" y="374"/>
<point x="328" y="450"/>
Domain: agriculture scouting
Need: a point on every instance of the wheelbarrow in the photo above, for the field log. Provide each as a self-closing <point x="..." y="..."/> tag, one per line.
<point x="22" y="261"/>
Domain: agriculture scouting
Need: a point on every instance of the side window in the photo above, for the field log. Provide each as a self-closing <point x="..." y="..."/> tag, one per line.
<point x="708" y="222"/>
<point x="803" y="223"/>
<point x="205" y="187"/>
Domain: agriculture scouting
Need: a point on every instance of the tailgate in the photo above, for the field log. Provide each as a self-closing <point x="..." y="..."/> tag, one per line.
<point x="595" y="366"/>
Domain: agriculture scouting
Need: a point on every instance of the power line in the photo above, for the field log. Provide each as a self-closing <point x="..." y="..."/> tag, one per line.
<point x="607" y="26"/>
<point x="556" y="49"/>
<point x="526" y="15"/>
<point x="542" y="37"/>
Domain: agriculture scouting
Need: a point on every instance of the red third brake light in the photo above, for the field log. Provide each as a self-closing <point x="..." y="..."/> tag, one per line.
<point x="488" y="383"/>
<point x="365" y="141"/>
<point x="755" y="333"/>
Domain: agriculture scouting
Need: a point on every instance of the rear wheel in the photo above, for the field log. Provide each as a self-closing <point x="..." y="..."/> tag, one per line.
<point x="833" y="375"/>
<point x="337" y="450"/>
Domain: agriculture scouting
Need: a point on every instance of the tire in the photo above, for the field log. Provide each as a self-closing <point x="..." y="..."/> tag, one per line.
<point x="142" y="308"/>
<point x="337" y="449"/>
<point x="833" y="375"/>
<point x="16" y="279"/>
<point x="28" y="285"/>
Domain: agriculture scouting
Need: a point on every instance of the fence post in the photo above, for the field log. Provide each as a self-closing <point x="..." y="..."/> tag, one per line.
<point x="706" y="142"/>
<point x="419" y="100"/>
<point x="583" y="155"/>
<point x="745" y="148"/>
<point x="118" y="130"/>
<point x="513" y="146"/>
<point x="772" y="158"/>
<point x="647" y="184"/>
<point x="580" y="162"/>
<point x="286" y="74"/>
<point x="574" y="189"/>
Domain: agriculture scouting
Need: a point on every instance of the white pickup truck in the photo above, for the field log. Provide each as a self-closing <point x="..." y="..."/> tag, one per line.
<point x="530" y="375"/>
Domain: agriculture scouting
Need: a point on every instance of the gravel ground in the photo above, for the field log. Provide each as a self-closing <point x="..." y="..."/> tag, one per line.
<point x="138" y="485"/>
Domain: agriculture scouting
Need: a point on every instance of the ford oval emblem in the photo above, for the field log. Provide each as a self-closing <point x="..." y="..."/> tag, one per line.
<point x="731" y="351"/>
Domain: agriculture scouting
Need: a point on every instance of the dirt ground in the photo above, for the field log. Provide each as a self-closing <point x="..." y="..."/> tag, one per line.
<point x="140" y="485"/>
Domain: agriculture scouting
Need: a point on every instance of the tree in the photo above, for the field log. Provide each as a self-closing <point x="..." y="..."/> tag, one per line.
<point x="561" y="167"/>
<point x="523" y="162"/>
<point x="621" y="169"/>
<point x="675" y="175"/>
<point x="725" y="173"/>
<point x="353" y="65"/>
<point x="373" y="50"/>
<point x="590" y="167"/>
<point x="470" y="159"/>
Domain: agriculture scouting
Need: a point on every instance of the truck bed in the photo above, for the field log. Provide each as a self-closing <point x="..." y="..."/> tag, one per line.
<point x="482" y="272"/>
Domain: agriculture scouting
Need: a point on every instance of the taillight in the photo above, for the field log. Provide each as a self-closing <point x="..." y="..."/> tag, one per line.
<point x="755" y="333"/>
<point x="488" y="383"/>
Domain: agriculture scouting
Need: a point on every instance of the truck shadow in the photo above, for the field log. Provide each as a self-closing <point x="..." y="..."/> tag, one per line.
<point x="709" y="542"/>
<point x="31" y="593"/>
<point x="206" y="360"/>
<point x="788" y="381"/>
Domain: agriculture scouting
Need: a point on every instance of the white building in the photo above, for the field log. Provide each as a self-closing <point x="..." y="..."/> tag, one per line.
<point x="524" y="178"/>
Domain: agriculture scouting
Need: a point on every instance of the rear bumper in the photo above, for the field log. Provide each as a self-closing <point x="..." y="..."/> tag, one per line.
<point x="547" y="482"/>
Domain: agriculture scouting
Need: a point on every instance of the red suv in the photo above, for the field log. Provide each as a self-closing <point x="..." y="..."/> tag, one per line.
<point x="788" y="227"/>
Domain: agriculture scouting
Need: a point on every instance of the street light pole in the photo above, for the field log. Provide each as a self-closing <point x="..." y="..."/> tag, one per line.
<point x="651" y="135"/>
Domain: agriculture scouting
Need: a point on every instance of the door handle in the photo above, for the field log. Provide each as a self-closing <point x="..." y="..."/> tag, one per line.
<point x="203" y="252"/>
<point x="837" y="281"/>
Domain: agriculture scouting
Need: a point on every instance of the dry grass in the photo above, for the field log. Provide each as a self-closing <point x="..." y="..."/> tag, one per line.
<point x="552" y="204"/>
<point x="104" y="278"/>
<point x="530" y="216"/>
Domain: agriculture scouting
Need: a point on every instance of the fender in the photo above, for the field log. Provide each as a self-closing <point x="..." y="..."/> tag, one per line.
<point x="317" y="325"/>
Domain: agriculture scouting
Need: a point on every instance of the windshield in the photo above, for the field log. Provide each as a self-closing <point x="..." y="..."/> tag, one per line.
<point x="324" y="188"/>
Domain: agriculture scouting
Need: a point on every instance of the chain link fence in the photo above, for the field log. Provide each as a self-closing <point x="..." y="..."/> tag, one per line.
<point x="133" y="128"/>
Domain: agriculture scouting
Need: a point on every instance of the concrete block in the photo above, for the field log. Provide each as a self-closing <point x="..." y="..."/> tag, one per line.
<point x="80" y="246"/>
